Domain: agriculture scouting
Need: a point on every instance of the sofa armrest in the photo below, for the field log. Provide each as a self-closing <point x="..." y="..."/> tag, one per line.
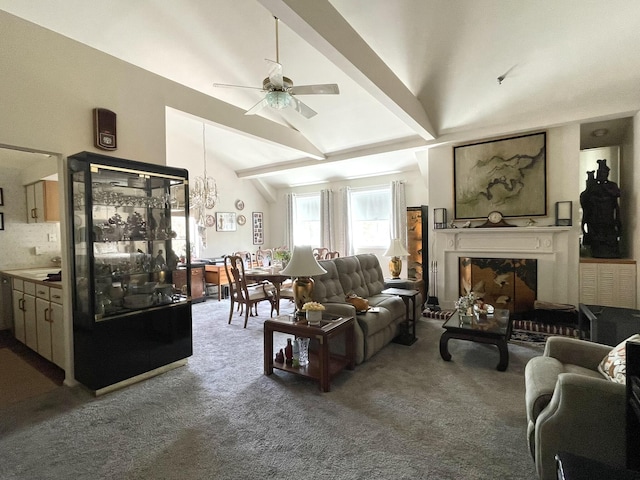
<point x="342" y="309"/>
<point x="578" y="352"/>
<point x="586" y="416"/>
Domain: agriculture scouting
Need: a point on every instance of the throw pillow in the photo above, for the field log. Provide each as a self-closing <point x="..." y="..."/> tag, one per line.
<point x="614" y="365"/>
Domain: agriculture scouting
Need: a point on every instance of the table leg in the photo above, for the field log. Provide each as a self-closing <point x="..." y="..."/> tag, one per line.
<point x="324" y="364"/>
<point x="268" y="351"/>
<point x="349" y="338"/>
<point x="504" y="355"/>
<point x="277" y="286"/>
<point x="444" y="350"/>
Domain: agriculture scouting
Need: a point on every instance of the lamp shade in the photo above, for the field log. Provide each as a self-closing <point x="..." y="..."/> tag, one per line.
<point x="303" y="263"/>
<point x="396" y="249"/>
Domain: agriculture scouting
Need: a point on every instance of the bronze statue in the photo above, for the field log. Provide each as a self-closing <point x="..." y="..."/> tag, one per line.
<point x="601" y="226"/>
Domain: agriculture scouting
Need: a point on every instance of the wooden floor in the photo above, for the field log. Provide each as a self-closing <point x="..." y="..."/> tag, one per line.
<point x="50" y="370"/>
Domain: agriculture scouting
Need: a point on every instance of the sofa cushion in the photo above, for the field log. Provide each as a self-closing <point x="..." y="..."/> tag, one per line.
<point x="371" y="323"/>
<point x="327" y="287"/>
<point x="371" y="272"/>
<point x="614" y="365"/>
<point x="393" y="303"/>
<point x="351" y="277"/>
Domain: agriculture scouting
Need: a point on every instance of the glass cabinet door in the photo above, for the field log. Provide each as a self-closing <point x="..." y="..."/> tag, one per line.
<point x="129" y="237"/>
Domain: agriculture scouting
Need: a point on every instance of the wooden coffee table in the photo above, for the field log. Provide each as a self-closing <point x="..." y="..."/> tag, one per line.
<point x="323" y="365"/>
<point x="487" y="331"/>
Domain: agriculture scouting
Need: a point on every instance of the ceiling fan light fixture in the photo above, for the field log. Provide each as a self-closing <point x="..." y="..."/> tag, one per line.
<point x="278" y="100"/>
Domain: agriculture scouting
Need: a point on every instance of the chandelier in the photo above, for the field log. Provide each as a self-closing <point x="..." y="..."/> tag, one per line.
<point x="203" y="193"/>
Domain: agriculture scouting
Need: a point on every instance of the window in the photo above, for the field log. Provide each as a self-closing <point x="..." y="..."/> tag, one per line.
<point x="306" y="219"/>
<point x="370" y="217"/>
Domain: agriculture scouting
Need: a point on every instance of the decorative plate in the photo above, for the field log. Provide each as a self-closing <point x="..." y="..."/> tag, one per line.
<point x="239" y="204"/>
<point x="210" y="221"/>
<point x="241" y="220"/>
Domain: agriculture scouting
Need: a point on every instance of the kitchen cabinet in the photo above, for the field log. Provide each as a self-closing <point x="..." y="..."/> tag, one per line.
<point x="24" y="313"/>
<point x="38" y="319"/>
<point x="42" y="202"/>
<point x="50" y="330"/>
<point x="608" y="282"/>
<point x="130" y="227"/>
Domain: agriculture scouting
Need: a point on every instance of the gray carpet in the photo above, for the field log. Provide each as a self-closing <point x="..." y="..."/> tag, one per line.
<point x="403" y="414"/>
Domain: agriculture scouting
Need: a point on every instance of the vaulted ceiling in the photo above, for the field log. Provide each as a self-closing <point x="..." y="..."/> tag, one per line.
<point x="412" y="73"/>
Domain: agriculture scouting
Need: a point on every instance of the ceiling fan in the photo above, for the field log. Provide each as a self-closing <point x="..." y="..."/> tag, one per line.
<point x="280" y="90"/>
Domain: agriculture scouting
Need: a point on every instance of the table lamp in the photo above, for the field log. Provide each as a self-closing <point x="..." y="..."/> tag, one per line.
<point x="302" y="266"/>
<point x="395" y="251"/>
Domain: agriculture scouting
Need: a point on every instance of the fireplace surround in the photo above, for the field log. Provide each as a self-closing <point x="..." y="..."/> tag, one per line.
<point x="548" y="245"/>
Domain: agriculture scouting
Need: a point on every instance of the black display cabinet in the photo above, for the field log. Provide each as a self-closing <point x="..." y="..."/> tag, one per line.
<point x="633" y="405"/>
<point x="130" y="232"/>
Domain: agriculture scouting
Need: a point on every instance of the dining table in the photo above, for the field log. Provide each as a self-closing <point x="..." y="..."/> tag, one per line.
<point x="271" y="274"/>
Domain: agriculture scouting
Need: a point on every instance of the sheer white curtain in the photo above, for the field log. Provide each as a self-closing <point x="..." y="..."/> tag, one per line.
<point x="326" y="219"/>
<point x="288" y="225"/>
<point x="398" y="212"/>
<point x="342" y="224"/>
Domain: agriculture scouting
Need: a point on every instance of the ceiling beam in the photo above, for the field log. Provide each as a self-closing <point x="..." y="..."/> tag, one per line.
<point x="320" y="25"/>
<point x="413" y="143"/>
<point x="229" y="117"/>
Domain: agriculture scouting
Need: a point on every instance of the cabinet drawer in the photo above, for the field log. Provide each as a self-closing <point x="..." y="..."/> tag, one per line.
<point x="30" y="288"/>
<point x="18" y="284"/>
<point x="56" y="295"/>
<point x="42" y="292"/>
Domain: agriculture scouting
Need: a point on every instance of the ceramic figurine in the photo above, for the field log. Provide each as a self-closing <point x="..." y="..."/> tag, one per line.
<point x="280" y="357"/>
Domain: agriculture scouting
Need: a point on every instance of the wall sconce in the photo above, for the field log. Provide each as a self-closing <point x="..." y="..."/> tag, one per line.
<point x="564" y="214"/>
<point x="439" y="218"/>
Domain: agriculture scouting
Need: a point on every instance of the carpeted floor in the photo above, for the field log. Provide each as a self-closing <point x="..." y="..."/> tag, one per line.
<point x="403" y="414"/>
<point x="19" y="380"/>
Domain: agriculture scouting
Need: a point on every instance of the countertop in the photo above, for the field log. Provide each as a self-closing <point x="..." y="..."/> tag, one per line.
<point x="37" y="275"/>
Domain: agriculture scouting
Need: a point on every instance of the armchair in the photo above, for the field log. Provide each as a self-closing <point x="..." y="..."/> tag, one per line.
<point x="571" y="406"/>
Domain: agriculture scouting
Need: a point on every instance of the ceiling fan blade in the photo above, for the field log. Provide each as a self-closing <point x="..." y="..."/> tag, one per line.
<point x="275" y="74"/>
<point x="228" y="85"/>
<point x="257" y="107"/>
<point x="322" y="89"/>
<point x="301" y="108"/>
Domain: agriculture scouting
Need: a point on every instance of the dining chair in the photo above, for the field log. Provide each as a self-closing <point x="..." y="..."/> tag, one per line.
<point x="264" y="257"/>
<point x="320" y="252"/>
<point x="246" y="258"/>
<point x="330" y="255"/>
<point x="241" y="293"/>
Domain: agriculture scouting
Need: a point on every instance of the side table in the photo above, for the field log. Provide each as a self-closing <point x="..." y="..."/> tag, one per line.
<point x="408" y="335"/>
<point x="408" y="284"/>
<point x="323" y="365"/>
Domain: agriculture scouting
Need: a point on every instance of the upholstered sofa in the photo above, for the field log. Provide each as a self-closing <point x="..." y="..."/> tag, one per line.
<point x="362" y="275"/>
<point x="572" y="406"/>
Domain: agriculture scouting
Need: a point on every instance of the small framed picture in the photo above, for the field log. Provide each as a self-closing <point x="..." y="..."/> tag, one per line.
<point x="258" y="231"/>
<point x="1" y="221"/>
<point x="226" y="222"/>
<point x="1" y="198"/>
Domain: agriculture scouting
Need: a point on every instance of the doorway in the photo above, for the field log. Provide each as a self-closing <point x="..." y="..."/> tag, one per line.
<point x="25" y="245"/>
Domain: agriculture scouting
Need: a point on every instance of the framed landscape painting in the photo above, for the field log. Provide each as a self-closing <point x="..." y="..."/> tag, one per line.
<point x="508" y="175"/>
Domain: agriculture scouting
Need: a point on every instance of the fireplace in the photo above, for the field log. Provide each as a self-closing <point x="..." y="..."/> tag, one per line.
<point x="548" y="246"/>
<point x="510" y="283"/>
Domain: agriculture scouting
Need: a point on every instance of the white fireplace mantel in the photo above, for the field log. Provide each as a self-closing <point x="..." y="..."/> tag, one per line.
<point x="548" y="245"/>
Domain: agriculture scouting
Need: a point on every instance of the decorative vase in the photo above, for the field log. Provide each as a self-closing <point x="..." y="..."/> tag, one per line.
<point x="288" y="352"/>
<point x="465" y="317"/>
<point x="303" y="351"/>
<point x="314" y="317"/>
